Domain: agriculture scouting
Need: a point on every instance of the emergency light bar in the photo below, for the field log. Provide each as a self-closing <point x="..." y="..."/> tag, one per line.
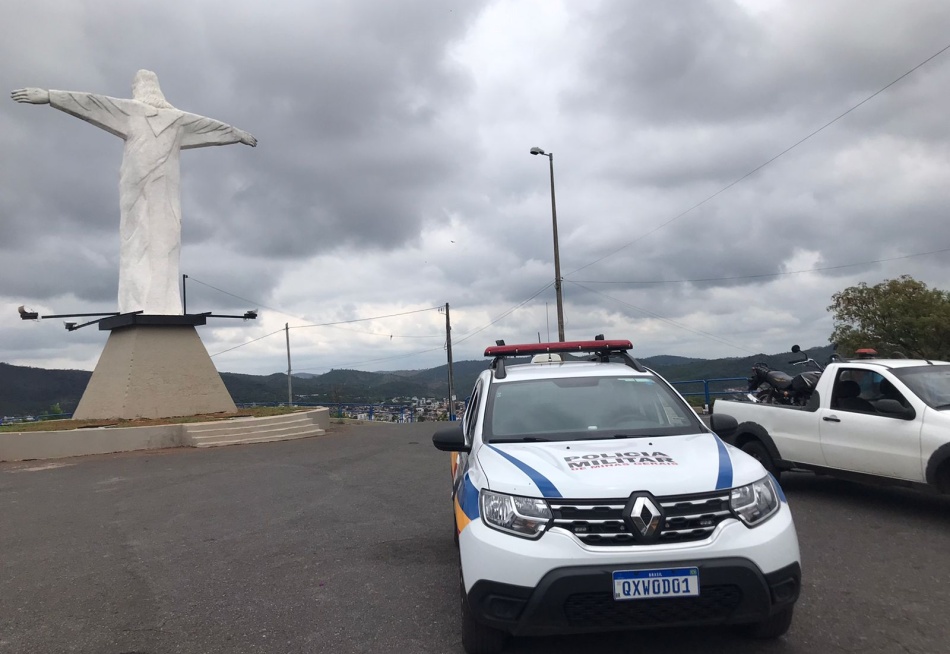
<point x="599" y="347"/>
<point x="528" y="349"/>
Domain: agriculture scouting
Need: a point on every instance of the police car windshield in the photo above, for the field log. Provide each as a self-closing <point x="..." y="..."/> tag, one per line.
<point x="585" y="408"/>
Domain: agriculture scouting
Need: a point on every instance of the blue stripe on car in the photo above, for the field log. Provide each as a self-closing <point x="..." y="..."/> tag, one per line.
<point x="468" y="498"/>
<point x="543" y="483"/>
<point x="725" y="466"/>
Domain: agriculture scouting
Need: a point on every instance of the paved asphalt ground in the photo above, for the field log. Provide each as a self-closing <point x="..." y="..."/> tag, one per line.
<point x="343" y="543"/>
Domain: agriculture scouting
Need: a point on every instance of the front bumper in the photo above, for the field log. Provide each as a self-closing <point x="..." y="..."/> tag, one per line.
<point x="579" y="599"/>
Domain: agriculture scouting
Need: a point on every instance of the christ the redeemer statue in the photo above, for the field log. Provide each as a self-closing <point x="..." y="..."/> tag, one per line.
<point x="149" y="181"/>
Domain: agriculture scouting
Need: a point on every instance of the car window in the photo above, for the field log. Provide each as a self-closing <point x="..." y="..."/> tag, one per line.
<point x="471" y="414"/>
<point x="861" y="391"/>
<point x="930" y="383"/>
<point x="586" y="407"/>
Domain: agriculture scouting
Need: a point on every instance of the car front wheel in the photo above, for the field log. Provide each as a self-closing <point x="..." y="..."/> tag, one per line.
<point x="757" y="451"/>
<point x="477" y="638"/>
<point x="773" y="627"/>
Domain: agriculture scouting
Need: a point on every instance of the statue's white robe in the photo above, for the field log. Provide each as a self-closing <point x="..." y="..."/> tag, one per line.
<point x="149" y="190"/>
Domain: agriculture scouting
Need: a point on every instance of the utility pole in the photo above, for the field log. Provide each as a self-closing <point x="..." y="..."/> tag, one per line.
<point x="290" y="390"/>
<point x="448" y="350"/>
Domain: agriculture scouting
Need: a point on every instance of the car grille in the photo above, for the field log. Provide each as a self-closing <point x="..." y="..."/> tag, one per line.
<point x="601" y="610"/>
<point x="687" y="518"/>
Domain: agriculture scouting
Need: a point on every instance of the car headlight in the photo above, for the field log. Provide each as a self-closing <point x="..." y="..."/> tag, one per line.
<point x="755" y="503"/>
<point x="521" y="516"/>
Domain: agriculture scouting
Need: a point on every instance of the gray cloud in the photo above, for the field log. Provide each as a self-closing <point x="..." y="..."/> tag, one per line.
<point x="393" y="172"/>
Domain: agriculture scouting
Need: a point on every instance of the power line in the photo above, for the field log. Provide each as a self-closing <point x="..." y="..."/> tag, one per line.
<point x="248" y="343"/>
<point x="761" y="166"/>
<point x="359" y="363"/>
<point x="243" y="299"/>
<point x="329" y="324"/>
<point x="664" y="319"/>
<point x="348" y="322"/>
<point x="290" y="315"/>
<point x="757" y="276"/>
<point x="391" y="336"/>
<point x="504" y="315"/>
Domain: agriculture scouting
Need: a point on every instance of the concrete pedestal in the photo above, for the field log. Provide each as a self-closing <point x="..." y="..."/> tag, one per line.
<point x="156" y="370"/>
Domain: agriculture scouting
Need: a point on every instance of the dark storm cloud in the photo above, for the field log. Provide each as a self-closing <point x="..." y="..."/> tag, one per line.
<point x="393" y="167"/>
<point x="711" y="63"/>
<point x="704" y="95"/>
<point x="345" y="99"/>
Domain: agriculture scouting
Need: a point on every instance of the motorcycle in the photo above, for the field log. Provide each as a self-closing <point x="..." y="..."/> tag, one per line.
<point x="776" y="387"/>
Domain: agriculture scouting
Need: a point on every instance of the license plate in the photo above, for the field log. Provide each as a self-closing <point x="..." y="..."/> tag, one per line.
<point x="648" y="584"/>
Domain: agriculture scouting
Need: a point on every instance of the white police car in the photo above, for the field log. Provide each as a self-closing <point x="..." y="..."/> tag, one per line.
<point x="590" y="497"/>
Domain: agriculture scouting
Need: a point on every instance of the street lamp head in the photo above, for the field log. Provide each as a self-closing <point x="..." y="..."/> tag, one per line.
<point x="537" y="150"/>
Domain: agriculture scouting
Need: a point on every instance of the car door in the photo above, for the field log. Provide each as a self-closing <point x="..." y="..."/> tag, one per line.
<point x="856" y="436"/>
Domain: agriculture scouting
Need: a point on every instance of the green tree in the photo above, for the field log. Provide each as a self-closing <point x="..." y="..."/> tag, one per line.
<point x="896" y="316"/>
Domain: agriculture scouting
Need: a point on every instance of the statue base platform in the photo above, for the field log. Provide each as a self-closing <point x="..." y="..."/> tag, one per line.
<point x="153" y="367"/>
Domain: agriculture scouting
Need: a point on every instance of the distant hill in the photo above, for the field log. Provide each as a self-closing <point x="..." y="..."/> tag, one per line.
<point x="737" y="367"/>
<point x="31" y="391"/>
<point x="666" y="360"/>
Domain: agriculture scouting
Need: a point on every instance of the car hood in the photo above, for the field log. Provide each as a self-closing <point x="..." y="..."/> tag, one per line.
<point x="668" y="465"/>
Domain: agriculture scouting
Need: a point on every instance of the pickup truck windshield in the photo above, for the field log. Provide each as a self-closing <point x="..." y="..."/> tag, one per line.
<point x="586" y="408"/>
<point x="930" y="383"/>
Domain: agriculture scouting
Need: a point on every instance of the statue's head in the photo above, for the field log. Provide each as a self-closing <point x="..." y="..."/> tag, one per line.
<point x="145" y="89"/>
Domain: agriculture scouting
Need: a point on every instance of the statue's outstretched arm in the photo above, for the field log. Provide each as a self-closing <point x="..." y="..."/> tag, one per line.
<point x="31" y="96"/>
<point x="201" y="132"/>
<point x="110" y="114"/>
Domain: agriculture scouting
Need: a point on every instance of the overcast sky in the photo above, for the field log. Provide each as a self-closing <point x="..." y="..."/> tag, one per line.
<point x="393" y="172"/>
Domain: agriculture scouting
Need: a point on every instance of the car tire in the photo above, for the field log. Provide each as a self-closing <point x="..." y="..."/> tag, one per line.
<point x="942" y="478"/>
<point x="477" y="638"/>
<point x="773" y="627"/>
<point x="757" y="451"/>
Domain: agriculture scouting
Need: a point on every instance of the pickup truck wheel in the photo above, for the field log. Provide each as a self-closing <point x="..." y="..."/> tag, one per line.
<point x="477" y="638"/>
<point x="757" y="451"/>
<point x="773" y="627"/>
<point x="942" y="478"/>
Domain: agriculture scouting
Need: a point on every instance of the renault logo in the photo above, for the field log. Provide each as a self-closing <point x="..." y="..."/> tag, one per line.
<point x="645" y="517"/>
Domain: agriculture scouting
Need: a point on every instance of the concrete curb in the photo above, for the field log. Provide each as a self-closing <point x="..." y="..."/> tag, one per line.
<point x="24" y="446"/>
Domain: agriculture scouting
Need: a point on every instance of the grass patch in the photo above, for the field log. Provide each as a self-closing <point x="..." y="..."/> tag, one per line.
<point x="63" y="425"/>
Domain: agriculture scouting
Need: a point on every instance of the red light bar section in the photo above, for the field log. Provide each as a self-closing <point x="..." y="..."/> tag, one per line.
<point x="528" y="349"/>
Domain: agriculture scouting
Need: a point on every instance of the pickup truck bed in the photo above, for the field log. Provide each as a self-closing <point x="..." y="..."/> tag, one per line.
<point x="871" y="420"/>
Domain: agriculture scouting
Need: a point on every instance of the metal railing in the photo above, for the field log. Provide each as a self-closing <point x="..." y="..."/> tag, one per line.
<point x="707" y="393"/>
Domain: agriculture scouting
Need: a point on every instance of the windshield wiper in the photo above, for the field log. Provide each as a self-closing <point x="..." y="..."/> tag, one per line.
<point x="521" y="439"/>
<point x="631" y="436"/>
<point x="941" y="407"/>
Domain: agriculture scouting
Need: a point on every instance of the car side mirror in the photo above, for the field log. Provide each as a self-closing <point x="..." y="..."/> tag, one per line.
<point x="894" y="408"/>
<point x="724" y="425"/>
<point x="451" y="439"/>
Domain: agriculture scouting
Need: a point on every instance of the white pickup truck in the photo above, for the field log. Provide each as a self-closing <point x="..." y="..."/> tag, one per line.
<point x="868" y="419"/>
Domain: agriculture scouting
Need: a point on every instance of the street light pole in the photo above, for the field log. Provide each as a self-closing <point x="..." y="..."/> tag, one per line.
<point x="184" y="295"/>
<point x="557" y="253"/>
